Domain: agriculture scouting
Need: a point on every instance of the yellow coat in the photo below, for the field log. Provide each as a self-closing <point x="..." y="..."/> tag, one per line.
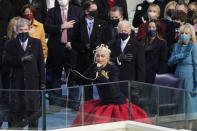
<point x="37" y="31"/>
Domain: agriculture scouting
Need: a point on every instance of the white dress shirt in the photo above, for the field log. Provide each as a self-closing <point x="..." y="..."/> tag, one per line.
<point x="26" y="42"/>
<point x="89" y="26"/>
<point x="124" y="43"/>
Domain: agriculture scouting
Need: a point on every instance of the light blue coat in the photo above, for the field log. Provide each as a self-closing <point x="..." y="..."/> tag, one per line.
<point x="185" y="59"/>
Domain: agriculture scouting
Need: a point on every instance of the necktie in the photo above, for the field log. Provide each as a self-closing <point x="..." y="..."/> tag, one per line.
<point x="64" y="32"/>
<point x="24" y="46"/>
<point x="89" y="28"/>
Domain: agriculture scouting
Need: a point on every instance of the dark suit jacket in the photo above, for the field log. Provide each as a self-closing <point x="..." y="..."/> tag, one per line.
<point x="80" y="41"/>
<point x="52" y="26"/>
<point x="25" y="75"/>
<point x="143" y="30"/>
<point x="134" y="70"/>
<point x="156" y="55"/>
<point x="40" y="5"/>
<point x="103" y="8"/>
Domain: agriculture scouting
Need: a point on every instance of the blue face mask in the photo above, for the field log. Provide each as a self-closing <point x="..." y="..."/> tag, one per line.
<point x="184" y="38"/>
<point x="152" y="33"/>
<point x="123" y="36"/>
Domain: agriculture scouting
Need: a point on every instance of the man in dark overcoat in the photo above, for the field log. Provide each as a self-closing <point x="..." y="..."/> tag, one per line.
<point x="59" y="25"/>
<point x="128" y="54"/>
<point x="104" y="7"/>
<point x="25" y="58"/>
<point x="84" y="39"/>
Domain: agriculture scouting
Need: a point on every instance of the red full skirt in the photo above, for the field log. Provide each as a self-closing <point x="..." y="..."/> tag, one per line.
<point x="94" y="113"/>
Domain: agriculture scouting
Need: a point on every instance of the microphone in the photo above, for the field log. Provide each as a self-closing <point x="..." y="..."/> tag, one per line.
<point x="98" y="66"/>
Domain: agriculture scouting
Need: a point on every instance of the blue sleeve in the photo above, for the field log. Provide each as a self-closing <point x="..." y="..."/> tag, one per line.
<point x="194" y="62"/>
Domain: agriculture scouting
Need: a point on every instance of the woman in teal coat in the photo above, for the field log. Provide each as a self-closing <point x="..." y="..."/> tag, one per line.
<point x="184" y="56"/>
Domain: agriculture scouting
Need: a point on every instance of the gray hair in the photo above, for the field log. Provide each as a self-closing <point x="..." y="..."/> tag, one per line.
<point x="21" y="23"/>
<point x="124" y="22"/>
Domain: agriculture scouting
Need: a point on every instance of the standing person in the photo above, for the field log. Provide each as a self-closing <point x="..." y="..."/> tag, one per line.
<point x="104" y="7"/>
<point x="25" y="58"/>
<point x="128" y="54"/>
<point x="84" y="38"/>
<point x="40" y="5"/>
<point x="153" y="13"/>
<point x="110" y="33"/>
<point x="112" y="105"/>
<point x="6" y="13"/>
<point x="156" y="51"/>
<point x="184" y="57"/>
<point x="36" y="29"/>
<point x="59" y="24"/>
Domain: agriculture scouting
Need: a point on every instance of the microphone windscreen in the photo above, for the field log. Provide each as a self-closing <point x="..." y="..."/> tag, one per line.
<point x="98" y="65"/>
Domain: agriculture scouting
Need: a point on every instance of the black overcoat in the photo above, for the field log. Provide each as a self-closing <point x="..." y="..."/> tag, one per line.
<point x="52" y="26"/>
<point x="156" y="57"/>
<point x="103" y="8"/>
<point x="80" y="40"/>
<point x="134" y="70"/>
<point x="25" y="75"/>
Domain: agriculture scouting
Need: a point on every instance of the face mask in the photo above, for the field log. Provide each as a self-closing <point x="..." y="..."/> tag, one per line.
<point x="23" y="36"/>
<point x="63" y="2"/>
<point x="170" y="12"/>
<point x="184" y="38"/>
<point x="123" y="36"/>
<point x="94" y="14"/>
<point x="29" y="16"/>
<point x="176" y="24"/>
<point x="195" y="27"/>
<point x="114" y="22"/>
<point x="190" y="13"/>
<point x="151" y="15"/>
<point x="152" y="33"/>
<point x="150" y="1"/>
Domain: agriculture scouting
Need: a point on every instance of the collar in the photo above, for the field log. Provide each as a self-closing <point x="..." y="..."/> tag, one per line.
<point x="125" y="41"/>
<point x="66" y="8"/>
<point x="24" y="42"/>
<point x="88" y="20"/>
<point x="35" y="22"/>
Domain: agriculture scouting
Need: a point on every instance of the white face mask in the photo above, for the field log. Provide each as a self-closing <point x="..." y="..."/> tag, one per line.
<point x="151" y="15"/>
<point x="63" y="2"/>
<point x="150" y="1"/>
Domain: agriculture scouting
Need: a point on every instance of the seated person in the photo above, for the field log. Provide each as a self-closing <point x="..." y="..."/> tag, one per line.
<point x="112" y="105"/>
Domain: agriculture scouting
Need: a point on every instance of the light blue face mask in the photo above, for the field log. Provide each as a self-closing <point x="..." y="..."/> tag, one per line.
<point x="184" y="38"/>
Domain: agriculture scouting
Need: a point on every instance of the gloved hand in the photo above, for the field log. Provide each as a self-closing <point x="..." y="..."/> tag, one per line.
<point x="122" y="57"/>
<point x="129" y="57"/>
<point x="180" y="56"/>
<point x="27" y="58"/>
<point x="87" y="46"/>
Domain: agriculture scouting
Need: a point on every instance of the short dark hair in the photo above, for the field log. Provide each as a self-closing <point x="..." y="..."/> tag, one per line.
<point x="180" y="15"/>
<point x="31" y="7"/>
<point x="182" y="3"/>
<point x="116" y="8"/>
<point x="86" y="5"/>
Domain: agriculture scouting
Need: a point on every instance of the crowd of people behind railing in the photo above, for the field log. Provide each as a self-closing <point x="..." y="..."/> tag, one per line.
<point x="39" y="39"/>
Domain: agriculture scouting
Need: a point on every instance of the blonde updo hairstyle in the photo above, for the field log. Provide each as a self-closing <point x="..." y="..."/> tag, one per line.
<point x="104" y="48"/>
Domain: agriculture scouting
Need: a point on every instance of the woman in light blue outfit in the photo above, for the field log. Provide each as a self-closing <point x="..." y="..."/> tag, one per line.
<point x="184" y="56"/>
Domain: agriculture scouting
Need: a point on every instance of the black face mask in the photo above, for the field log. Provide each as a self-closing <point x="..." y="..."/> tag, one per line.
<point x="123" y="36"/>
<point x="190" y="13"/>
<point x="94" y="14"/>
<point x="23" y="36"/>
<point x="170" y="12"/>
<point x="176" y="24"/>
<point x="114" y="22"/>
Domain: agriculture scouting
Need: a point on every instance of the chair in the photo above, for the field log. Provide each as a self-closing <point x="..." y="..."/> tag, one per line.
<point x="168" y="98"/>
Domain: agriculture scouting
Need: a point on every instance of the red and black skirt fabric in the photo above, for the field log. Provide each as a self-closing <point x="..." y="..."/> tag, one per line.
<point x="94" y="113"/>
